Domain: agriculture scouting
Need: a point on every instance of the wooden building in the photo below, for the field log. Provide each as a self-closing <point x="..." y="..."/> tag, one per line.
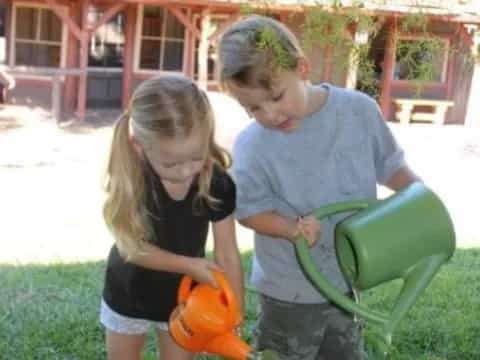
<point x="79" y="54"/>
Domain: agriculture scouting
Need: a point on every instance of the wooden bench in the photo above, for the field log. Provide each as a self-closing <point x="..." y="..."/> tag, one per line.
<point x="405" y="111"/>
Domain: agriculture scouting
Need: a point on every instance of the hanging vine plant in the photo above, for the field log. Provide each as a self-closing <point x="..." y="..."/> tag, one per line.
<point x="332" y="27"/>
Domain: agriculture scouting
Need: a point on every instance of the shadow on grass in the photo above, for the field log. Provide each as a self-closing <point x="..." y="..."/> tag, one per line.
<point x="51" y="312"/>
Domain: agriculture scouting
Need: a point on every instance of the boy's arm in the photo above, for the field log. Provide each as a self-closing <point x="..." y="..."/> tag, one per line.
<point x="272" y="224"/>
<point x="391" y="168"/>
<point x="402" y="178"/>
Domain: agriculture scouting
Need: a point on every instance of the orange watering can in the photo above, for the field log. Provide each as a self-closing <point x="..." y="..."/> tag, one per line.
<point x="205" y="321"/>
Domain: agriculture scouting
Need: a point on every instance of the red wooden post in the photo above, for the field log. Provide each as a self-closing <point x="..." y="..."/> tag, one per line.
<point x="72" y="62"/>
<point x="473" y="107"/>
<point x="388" y="63"/>
<point x="188" y="55"/>
<point x="82" y="81"/>
<point x="8" y="32"/>
<point x="203" y="50"/>
<point x="130" y="18"/>
<point x="450" y="70"/>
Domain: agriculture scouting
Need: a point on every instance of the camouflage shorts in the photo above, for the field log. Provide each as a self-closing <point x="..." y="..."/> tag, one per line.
<point x="307" y="331"/>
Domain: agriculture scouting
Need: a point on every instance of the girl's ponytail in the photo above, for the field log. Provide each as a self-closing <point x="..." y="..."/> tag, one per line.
<point x="124" y="184"/>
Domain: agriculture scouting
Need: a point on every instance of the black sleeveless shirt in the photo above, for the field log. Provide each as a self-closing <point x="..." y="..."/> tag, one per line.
<point x="180" y="227"/>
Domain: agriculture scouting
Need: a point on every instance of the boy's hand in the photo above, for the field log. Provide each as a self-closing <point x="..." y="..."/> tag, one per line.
<point x="202" y="271"/>
<point x="309" y="228"/>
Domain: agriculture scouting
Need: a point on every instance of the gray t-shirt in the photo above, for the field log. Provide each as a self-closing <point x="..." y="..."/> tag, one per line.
<point x="337" y="154"/>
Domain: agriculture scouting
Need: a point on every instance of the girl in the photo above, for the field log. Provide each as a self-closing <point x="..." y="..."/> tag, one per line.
<point x="166" y="181"/>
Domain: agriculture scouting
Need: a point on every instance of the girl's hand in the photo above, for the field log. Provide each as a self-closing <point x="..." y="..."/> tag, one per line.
<point x="202" y="271"/>
<point x="309" y="228"/>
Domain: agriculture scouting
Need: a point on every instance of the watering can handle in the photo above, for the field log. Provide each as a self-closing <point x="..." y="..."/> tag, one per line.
<point x="318" y="279"/>
<point x="232" y="302"/>
<point x="333" y="209"/>
<point x="185" y="289"/>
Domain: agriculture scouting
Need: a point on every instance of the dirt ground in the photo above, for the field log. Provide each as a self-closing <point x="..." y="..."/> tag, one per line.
<point x="50" y="179"/>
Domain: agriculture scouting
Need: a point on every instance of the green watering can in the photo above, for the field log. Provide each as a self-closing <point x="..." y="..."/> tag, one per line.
<point x="408" y="236"/>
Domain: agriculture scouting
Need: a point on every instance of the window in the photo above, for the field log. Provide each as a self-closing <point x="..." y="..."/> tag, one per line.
<point x="216" y="22"/>
<point x="211" y="62"/>
<point x="107" y="44"/>
<point x="418" y="59"/>
<point x="38" y="37"/>
<point x="162" y="40"/>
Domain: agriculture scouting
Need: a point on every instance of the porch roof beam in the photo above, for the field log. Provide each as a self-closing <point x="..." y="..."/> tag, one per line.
<point x="62" y="14"/>
<point x="111" y="12"/>
<point x="468" y="18"/>
<point x="218" y="4"/>
<point x="227" y="5"/>
<point x="184" y="20"/>
<point x="224" y="26"/>
<point x="465" y="35"/>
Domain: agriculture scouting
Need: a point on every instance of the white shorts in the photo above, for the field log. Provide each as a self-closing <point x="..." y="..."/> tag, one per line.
<point x="113" y="321"/>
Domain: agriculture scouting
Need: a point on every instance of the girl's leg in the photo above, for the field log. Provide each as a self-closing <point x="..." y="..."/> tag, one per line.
<point x="169" y="350"/>
<point x="124" y="346"/>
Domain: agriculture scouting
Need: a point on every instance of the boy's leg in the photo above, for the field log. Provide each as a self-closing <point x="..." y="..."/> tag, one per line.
<point x="343" y="337"/>
<point x="294" y="331"/>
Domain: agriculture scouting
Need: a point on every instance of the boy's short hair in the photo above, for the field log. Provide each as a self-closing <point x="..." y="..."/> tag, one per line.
<point x="253" y="50"/>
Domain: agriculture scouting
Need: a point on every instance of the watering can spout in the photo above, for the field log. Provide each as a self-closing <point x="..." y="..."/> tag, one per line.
<point x="406" y="236"/>
<point x="230" y="346"/>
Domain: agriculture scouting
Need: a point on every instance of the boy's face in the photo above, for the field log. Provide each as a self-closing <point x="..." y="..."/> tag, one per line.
<point x="281" y="108"/>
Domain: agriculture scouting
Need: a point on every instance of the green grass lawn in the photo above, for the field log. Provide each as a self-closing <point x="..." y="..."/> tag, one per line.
<point x="51" y="312"/>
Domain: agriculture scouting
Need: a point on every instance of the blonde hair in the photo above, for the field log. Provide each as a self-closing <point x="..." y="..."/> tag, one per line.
<point x="253" y="50"/>
<point x="162" y="107"/>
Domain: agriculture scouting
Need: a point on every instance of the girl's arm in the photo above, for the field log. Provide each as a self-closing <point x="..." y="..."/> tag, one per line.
<point x="154" y="258"/>
<point x="227" y="255"/>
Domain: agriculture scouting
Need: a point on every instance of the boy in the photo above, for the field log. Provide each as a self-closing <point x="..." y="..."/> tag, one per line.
<point x="310" y="145"/>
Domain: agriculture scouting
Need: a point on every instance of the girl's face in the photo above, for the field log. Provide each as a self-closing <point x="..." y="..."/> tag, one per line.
<point x="178" y="161"/>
